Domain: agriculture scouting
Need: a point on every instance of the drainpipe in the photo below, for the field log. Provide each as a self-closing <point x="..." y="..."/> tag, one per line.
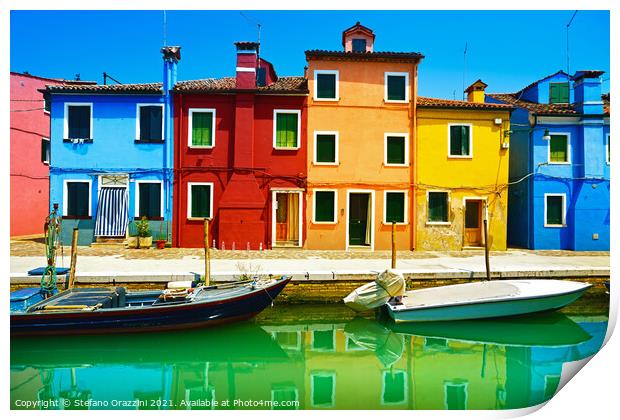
<point x="413" y="145"/>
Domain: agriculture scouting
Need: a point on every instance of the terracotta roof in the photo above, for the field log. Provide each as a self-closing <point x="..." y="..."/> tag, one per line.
<point x="477" y="83"/>
<point x="284" y="85"/>
<point x="397" y="57"/>
<point x="542" y="109"/>
<point x="606" y="102"/>
<point x="588" y="74"/>
<point x="355" y="28"/>
<point x="54" y="79"/>
<point x="424" y="102"/>
<point x="120" y="88"/>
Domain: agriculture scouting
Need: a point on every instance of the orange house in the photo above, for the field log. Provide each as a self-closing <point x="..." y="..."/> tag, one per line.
<point x="361" y="138"/>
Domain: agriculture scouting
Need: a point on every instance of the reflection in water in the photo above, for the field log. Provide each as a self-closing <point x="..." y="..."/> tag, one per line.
<point x="300" y="362"/>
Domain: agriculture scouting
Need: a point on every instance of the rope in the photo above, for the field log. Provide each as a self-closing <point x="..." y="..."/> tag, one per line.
<point x="52" y="231"/>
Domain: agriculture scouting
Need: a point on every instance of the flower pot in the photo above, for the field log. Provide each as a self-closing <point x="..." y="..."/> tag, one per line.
<point x="146" y="242"/>
<point x="132" y="242"/>
<point x="161" y="243"/>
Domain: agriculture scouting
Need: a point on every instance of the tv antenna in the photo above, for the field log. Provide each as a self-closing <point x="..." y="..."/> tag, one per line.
<point x="165" y="28"/>
<point x="567" y="57"/>
<point x="464" y="68"/>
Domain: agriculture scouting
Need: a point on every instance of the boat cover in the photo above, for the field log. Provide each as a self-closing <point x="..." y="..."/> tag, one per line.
<point x="376" y="293"/>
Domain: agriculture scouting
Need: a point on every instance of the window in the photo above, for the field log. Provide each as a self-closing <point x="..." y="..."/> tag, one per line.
<point x="608" y="150"/>
<point x="325" y="148"/>
<point x="396" y="87"/>
<point x="323" y="389"/>
<point x="323" y="340"/>
<point x="45" y="151"/>
<point x="394" y="387"/>
<point x="47" y="103"/>
<point x="199" y="200"/>
<point x="201" y="127"/>
<point x="286" y="129"/>
<point x="285" y="396"/>
<point x="559" y="93"/>
<point x="148" y="199"/>
<point x="78" y="121"/>
<point x="460" y="140"/>
<point x="150" y="123"/>
<point x="77" y="200"/>
<point x="455" y="394"/>
<point x="559" y="149"/>
<point x="326" y="85"/>
<point x="395" y="207"/>
<point x="359" y="45"/>
<point x="555" y="210"/>
<point x="396" y="149"/>
<point x="438" y="207"/>
<point x="324" y="206"/>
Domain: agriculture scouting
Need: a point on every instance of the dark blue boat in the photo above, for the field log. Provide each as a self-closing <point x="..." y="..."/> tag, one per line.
<point x="103" y="310"/>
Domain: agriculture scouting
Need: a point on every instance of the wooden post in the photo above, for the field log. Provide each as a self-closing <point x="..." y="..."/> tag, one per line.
<point x="393" y="244"/>
<point x="74" y="244"/>
<point x="486" y="250"/>
<point x="207" y="253"/>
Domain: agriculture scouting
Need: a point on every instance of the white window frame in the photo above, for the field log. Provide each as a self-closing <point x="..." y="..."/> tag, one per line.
<point x="464" y="385"/>
<point x="190" y="113"/>
<point x="294" y="388"/>
<point x="137" y="196"/>
<point x="336" y="145"/>
<point x="406" y="206"/>
<point x="385" y="150"/>
<point x="471" y="140"/>
<point x="607" y="149"/>
<point x="65" y="195"/>
<point x="429" y="223"/>
<point x="66" y="117"/>
<point x="371" y="220"/>
<point x="314" y="221"/>
<point x="189" y="200"/>
<point x="405" y="390"/>
<point x="333" y="398"/>
<point x="568" y="149"/>
<point x="563" y="195"/>
<point x="385" y="82"/>
<point x="47" y="162"/>
<point x="140" y="105"/>
<point x="333" y="350"/>
<point x="297" y="346"/>
<point x="316" y="84"/>
<point x="275" y="131"/>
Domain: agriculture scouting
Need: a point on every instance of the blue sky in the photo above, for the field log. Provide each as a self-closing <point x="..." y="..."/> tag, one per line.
<point x="506" y="49"/>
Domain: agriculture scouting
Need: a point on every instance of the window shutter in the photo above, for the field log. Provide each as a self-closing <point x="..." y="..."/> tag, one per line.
<point x="201" y="201"/>
<point x="326" y="148"/>
<point x="396" y="88"/>
<point x="45" y="151"/>
<point x="326" y="86"/>
<point x="564" y="93"/>
<point x="359" y="45"/>
<point x="553" y="93"/>
<point x="202" y="129"/>
<point x="156" y="128"/>
<point x="395" y="207"/>
<point x="324" y="206"/>
<point x="150" y="200"/>
<point x="554" y="210"/>
<point x="286" y="130"/>
<point x="395" y="150"/>
<point x="459" y="140"/>
<point x="437" y="206"/>
<point x="558" y="148"/>
<point x="79" y="121"/>
<point x="77" y="198"/>
<point x="464" y="140"/>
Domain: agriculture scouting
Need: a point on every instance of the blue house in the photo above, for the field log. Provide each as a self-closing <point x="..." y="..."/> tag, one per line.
<point x="112" y="155"/>
<point x="559" y="163"/>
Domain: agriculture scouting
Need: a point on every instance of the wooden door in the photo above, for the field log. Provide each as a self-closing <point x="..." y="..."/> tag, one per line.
<point x="358" y="218"/>
<point x="287" y="219"/>
<point x="281" y="218"/>
<point x="473" y="223"/>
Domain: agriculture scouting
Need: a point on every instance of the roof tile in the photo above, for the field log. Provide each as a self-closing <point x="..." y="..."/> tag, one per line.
<point x="283" y="85"/>
<point x="424" y="102"/>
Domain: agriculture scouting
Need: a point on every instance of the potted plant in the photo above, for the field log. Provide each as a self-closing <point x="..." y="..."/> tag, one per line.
<point x="161" y="240"/>
<point x="132" y="235"/>
<point x="145" y="240"/>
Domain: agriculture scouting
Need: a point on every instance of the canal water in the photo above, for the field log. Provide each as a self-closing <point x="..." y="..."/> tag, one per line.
<point x="312" y="357"/>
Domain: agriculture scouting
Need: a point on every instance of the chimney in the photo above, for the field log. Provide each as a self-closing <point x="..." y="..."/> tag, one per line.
<point x="475" y="92"/>
<point x="587" y="90"/>
<point x="247" y="61"/>
<point x="358" y="39"/>
<point x="172" y="55"/>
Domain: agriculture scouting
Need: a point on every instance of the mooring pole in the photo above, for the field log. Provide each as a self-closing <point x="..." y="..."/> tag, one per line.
<point x="486" y="250"/>
<point x="74" y="244"/>
<point x="207" y="253"/>
<point x="393" y="244"/>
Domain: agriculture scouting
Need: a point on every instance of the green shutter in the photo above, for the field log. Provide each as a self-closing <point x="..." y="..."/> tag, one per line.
<point x="326" y="86"/>
<point x="393" y="387"/>
<point x="326" y="148"/>
<point x="437" y="206"/>
<point x="286" y="130"/>
<point x="150" y="200"/>
<point x="201" y="201"/>
<point x="456" y="397"/>
<point x="554" y="210"/>
<point x="324" y="206"/>
<point x="395" y="207"/>
<point x="396" y="88"/>
<point x="322" y="389"/>
<point x="395" y="150"/>
<point x="77" y="199"/>
<point x="459" y="140"/>
<point x="559" y="93"/>
<point x="202" y="128"/>
<point x="558" y="148"/>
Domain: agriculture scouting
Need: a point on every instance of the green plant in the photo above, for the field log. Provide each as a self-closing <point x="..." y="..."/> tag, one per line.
<point x="144" y="231"/>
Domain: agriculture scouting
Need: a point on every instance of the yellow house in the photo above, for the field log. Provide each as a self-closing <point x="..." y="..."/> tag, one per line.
<point x="461" y="172"/>
<point x="361" y="130"/>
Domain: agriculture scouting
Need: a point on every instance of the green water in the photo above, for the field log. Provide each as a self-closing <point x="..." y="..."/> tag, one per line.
<point x="310" y="357"/>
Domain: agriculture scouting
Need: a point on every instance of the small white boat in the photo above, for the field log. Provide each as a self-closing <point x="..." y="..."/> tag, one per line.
<point x="486" y="299"/>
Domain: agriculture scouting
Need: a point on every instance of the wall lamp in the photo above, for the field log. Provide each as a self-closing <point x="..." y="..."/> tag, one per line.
<point x="546" y="136"/>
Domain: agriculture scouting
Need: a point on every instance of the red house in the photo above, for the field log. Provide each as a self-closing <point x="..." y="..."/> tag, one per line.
<point x="30" y="153"/>
<point x="240" y="157"/>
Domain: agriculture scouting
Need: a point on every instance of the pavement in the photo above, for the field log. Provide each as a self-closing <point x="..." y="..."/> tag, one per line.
<point x="103" y="264"/>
